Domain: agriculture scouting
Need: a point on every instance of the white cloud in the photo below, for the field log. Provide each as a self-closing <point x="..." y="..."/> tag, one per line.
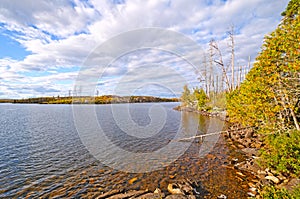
<point x="60" y="34"/>
<point x="58" y="18"/>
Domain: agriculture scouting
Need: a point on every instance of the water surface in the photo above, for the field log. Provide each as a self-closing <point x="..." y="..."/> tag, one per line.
<point x="42" y="154"/>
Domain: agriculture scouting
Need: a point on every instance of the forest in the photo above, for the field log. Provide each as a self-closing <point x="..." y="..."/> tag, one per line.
<point x="267" y="99"/>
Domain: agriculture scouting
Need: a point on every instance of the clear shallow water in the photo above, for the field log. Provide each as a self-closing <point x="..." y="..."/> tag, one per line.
<point x="43" y="156"/>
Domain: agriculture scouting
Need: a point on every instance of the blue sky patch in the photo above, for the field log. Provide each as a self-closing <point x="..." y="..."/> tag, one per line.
<point x="11" y="48"/>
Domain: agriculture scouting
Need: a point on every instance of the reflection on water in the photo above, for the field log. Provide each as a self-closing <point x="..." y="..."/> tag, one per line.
<point x="43" y="156"/>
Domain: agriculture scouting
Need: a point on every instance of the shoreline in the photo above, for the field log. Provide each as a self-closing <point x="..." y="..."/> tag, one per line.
<point x="97" y="104"/>
<point x="186" y="189"/>
<point x="219" y="179"/>
<point x="104" y="99"/>
<point x="218" y="114"/>
<point x="247" y="141"/>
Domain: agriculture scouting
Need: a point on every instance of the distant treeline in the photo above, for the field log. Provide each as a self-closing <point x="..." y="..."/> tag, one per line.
<point x="6" y="100"/>
<point x="105" y="99"/>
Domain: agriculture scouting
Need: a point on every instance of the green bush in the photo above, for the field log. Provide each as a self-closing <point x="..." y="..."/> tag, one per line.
<point x="282" y="152"/>
<point x="270" y="192"/>
<point x="201" y="98"/>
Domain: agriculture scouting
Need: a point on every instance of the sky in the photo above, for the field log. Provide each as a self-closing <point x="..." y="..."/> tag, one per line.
<point x="133" y="47"/>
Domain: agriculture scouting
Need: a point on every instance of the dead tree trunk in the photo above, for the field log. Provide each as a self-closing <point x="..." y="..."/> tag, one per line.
<point x="231" y="37"/>
<point x="206" y="76"/>
<point x="220" y="63"/>
<point x="211" y="74"/>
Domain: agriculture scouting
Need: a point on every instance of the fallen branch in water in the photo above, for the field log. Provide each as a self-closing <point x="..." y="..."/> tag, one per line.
<point x="201" y="136"/>
<point x="211" y="134"/>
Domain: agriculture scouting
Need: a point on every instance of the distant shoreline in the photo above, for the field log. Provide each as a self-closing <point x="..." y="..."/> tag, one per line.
<point x="105" y="99"/>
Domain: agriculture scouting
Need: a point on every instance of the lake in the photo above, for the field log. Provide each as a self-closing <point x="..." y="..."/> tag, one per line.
<point x="46" y="152"/>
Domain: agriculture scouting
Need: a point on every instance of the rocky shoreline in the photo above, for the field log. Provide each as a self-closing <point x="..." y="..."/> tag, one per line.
<point x="215" y="113"/>
<point x="241" y="140"/>
<point x="181" y="190"/>
<point x="249" y="142"/>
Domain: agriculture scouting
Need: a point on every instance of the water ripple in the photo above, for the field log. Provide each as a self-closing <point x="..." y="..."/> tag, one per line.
<point x="42" y="155"/>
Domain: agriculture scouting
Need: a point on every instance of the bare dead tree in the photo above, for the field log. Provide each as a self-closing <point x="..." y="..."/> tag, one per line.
<point x="249" y="65"/>
<point x="211" y="73"/>
<point x="231" y="45"/>
<point x="75" y="91"/>
<point x="287" y="94"/>
<point x="217" y="84"/>
<point x="286" y="87"/>
<point x="219" y="61"/>
<point x="205" y="75"/>
<point x="239" y="76"/>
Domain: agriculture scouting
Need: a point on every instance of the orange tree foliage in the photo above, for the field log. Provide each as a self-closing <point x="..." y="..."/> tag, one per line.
<point x="269" y="96"/>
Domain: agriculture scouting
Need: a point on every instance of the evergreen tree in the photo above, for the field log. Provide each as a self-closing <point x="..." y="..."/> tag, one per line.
<point x="269" y="97"/>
